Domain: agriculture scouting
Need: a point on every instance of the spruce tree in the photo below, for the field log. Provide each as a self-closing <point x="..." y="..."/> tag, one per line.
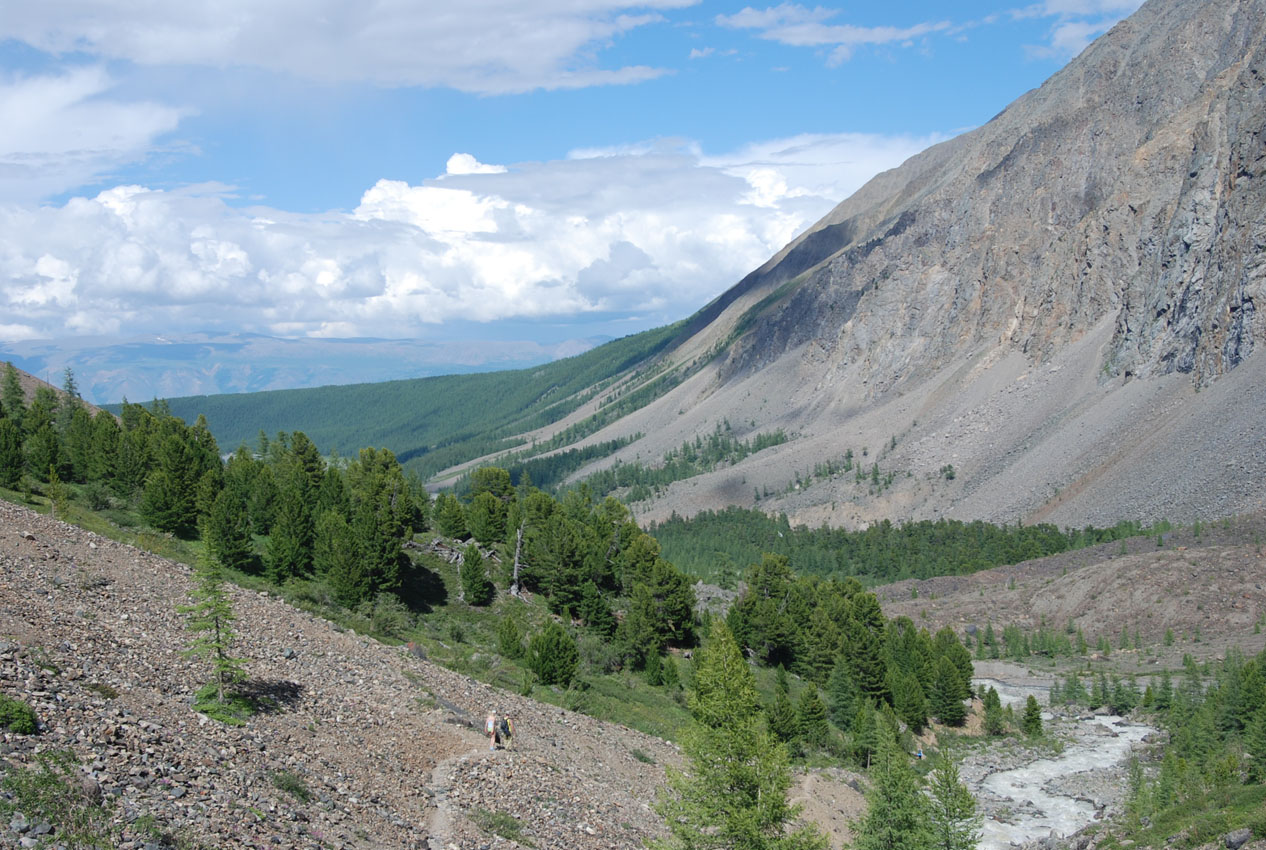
<point x="952" y="809"/>
<point x="336" y="559"/>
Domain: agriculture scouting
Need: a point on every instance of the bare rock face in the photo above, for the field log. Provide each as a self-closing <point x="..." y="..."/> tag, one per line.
<point x="1053" y="304"/>
<point x="1131" y="184"/>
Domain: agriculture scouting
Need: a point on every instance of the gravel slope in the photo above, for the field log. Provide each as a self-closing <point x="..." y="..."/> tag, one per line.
<point x="381" y="739"/>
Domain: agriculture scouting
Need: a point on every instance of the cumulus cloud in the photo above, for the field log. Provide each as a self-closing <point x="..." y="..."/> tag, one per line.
<point x="657" y="230"/>
<point x="61" y="131"/>
<point x="488" y="46"/>
<point x="799" y="26"/>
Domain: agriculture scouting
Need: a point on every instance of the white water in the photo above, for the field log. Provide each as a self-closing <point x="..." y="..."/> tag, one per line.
<point x="1036" y="811"/>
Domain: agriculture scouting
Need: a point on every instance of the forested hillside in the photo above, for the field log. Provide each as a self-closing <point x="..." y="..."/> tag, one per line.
<point x="714" y="545"/>
<point x="430" y="423"/>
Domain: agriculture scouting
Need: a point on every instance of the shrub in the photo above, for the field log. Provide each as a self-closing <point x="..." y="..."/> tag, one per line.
<point x="286" y="781"/>
<point x="17" y="716"/>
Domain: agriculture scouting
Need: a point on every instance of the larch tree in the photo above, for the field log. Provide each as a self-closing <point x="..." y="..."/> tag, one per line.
<point x="734" y="794"/>
<point x="897" y="811"/>
<point x="952" y="809"/>
<point x="211" y="619"/>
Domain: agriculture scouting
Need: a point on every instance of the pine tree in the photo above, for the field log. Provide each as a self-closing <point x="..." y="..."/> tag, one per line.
<point x="735" y="792"/>
<point x="864" y="732"/>
<point x="1255" y="743"/>
<point x="336" y="559"/>
<point x="594" y="610"/>
<point x="211" y="619"/>
<point x="897" y="812"/>
<point x="476" y="586"/>
<point x="553" y="656"/>
<point x="909" y="702"/>
<point x="1032" y="721"/>
<point x="289" y="551"/>
<point x="952" y="811"/>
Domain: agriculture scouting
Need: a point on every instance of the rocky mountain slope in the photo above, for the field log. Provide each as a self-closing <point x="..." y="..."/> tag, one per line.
<point x="381" y="740"/>
<point x="1061" y="305"/>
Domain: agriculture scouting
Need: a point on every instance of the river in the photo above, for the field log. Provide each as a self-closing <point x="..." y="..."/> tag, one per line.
<point x="1025" y="797"/>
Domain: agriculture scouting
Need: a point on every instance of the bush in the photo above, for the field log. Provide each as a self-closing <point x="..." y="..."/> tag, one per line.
<point x="17" y="716"/>
<point x="286" y="781"/>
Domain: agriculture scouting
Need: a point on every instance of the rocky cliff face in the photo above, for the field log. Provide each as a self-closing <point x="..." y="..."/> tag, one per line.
<point x="1132" y="184"/>
<point x="1061" y="305"/>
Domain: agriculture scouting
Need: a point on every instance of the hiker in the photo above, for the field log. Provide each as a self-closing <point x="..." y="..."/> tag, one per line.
<point x="505" y="728"/>
<point x="490" y="727"/>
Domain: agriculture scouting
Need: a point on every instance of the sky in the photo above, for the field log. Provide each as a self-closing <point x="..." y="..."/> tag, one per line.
<point x="411" y="169"/>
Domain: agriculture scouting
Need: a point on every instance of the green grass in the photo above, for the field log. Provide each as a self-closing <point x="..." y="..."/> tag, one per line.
<point x="1202" y="820"/>
<point x="48" y="792"/>
<point x="499" y="823"/>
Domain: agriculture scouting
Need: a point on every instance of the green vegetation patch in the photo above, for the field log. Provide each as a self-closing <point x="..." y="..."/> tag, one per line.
<point x="17" y="716"/>
<point x="500" y="824"/>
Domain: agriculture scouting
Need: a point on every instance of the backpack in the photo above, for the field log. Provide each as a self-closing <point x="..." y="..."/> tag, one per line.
<point x="506" y="729"/>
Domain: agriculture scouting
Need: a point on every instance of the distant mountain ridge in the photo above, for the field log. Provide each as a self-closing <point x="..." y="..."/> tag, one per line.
<point x="144" y="368"/>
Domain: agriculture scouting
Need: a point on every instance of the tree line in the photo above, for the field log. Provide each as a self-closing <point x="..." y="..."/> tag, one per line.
<point x="711" y="543"/>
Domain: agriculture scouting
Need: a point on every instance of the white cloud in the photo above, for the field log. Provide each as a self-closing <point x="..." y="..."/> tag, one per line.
<point x="482" y="46"/>
<point x="1077" y="23"/>
<point x="464" y="163"/>
<point x="798" y="26"/>
<point x="654" y="229"/>
<point x="59" y="132"/>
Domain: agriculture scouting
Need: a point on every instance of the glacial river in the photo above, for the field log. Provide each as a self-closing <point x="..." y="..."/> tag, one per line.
<point x="1053" y="795"/>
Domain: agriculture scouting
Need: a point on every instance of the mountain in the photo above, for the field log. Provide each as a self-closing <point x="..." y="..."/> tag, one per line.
<point x="143" y="368"/>
<point x="1059" y="305"/>
<point x="1050" y="318"/>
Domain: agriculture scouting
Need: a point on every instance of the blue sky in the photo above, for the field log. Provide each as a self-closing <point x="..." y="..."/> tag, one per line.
<point x="540" y="170"/>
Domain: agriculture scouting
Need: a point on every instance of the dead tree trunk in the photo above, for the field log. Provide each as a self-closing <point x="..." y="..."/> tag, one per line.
<point x="518" y="550"/>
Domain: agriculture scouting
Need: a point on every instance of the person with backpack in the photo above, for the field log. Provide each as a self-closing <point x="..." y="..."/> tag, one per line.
<point x="505" y="728"/>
